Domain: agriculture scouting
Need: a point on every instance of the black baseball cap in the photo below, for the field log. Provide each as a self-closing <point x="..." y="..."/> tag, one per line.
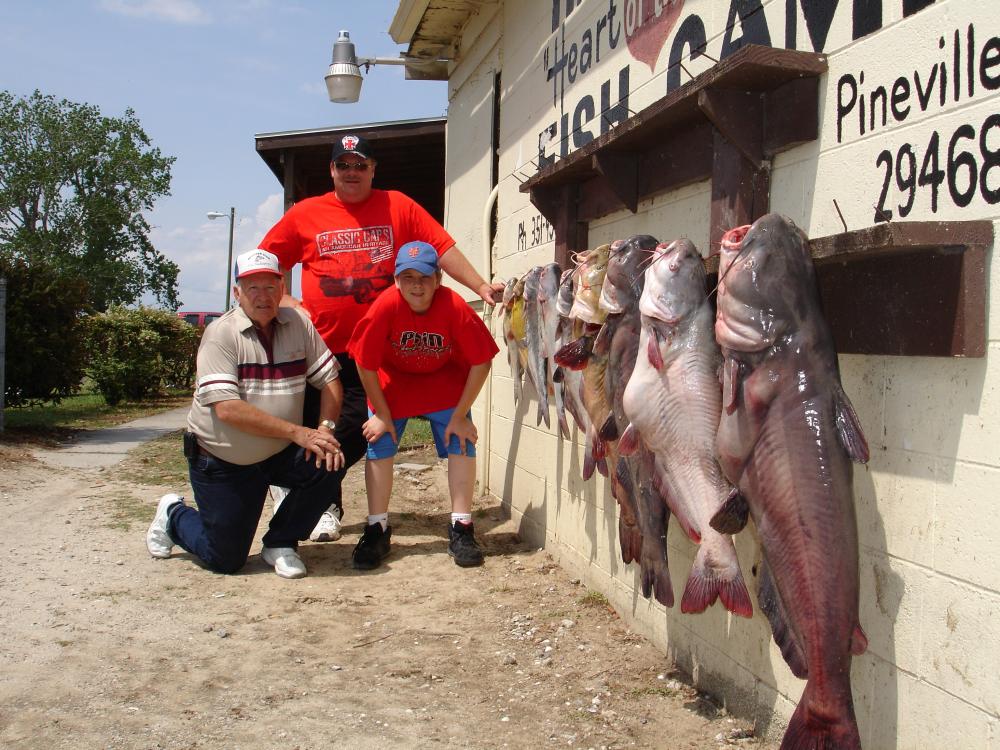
<point x="351" y="144"/>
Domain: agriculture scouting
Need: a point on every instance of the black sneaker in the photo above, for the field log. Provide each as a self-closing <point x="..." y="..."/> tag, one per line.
<point x="372" y="547"/>
<point x="462" y="545"/>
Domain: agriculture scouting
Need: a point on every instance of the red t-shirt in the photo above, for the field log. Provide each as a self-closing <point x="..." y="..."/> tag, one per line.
<point x="348" y="253"/>
<point x="423" y="360"/>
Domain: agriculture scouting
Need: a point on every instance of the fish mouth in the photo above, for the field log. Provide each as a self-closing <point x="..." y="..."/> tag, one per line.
<point x="740" y="337"/>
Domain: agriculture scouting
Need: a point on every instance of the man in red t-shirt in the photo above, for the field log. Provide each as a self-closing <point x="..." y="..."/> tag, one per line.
<point x="346" y="241"/>
<point x="420" y="351"/>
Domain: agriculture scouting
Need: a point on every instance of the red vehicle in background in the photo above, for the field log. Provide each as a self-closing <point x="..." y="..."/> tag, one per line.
<point x="199" y="319"/>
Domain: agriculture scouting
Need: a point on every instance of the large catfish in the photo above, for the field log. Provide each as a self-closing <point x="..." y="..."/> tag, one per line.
<point x="673" y="401"/>
<point x="787" y="437"/>
<point x="533" y="334"/>
<point x="620" y="293"/>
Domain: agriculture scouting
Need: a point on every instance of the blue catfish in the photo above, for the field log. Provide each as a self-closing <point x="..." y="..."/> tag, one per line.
<point x="673" y="401"/>
<point x="787" y="436"/>
<point x="634" y="474"/>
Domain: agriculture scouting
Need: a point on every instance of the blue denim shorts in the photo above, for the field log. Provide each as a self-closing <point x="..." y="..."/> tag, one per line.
<point x="384" y="447"/>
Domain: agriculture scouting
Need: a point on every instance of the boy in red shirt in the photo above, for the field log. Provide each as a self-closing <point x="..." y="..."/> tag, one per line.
<point x="420" y="351"/>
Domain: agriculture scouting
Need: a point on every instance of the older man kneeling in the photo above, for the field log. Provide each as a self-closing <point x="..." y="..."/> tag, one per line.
<point x="245" y="432"/>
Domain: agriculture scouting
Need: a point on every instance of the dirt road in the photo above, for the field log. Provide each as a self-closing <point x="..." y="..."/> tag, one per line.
<point x="105" y="647"/>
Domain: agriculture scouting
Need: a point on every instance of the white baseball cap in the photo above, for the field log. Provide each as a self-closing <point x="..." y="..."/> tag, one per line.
<point x="256" y="261"/>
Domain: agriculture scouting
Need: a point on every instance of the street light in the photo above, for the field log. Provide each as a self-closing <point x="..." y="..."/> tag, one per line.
<point x="229" y="264"/>
<point x="343" y="78"/>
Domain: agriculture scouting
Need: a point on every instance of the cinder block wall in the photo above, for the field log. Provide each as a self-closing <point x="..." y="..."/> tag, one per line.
<point x="930" y="552"/>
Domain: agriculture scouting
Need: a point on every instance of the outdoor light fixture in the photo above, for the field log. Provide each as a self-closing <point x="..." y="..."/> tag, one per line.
<point x="343" y="79"/>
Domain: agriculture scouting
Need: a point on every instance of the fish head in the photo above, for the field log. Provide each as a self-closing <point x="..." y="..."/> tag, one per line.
<point x="508" y="293"/>
<point x="567" y="284"/>
<point x="767" y="284"/>
<point x="675" y="282"/>
<point x="589" y="278"/>
<point x="624" y="277"/>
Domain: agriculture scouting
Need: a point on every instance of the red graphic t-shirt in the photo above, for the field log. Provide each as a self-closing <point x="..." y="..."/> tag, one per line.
<point x="348" y="253"/>
<point x="423" y="360"/>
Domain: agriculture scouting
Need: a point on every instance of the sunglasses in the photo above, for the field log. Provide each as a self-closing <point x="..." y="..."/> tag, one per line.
<point x="346" y="166"/>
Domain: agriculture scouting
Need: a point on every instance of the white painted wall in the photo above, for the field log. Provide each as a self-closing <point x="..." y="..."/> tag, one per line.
<point x="930" y="550"/>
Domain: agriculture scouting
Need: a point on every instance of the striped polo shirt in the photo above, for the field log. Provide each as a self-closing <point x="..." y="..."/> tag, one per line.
<point x="233" y="363"/>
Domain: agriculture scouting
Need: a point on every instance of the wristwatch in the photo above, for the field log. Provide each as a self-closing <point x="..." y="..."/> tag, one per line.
<point x="329" y="424"/>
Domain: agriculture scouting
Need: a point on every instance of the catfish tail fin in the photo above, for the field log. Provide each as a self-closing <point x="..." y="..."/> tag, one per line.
<point x="815" y="725"/>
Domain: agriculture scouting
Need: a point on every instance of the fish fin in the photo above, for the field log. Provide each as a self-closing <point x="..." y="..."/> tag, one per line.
<point x="575" y="354"/>
<point x="597" y="447"/>
<point x="653" y="351"/>
<point x="628" y="443"/>
<point x="543" y="412"/>
<point x="731" y="517"/>
<point x="589" y="464"/>
<point x="852" y="437"/>
<point x="609" y="430"/>
<point x="689" y="529"/>
<point x="731" y="385"/>
<point x="734" y="596"/>
<point x="602" y="341"/>
<point x="701" y="589"/>
<point x="817" y="725"/>
<point x="624" y="476"/>
<point x="655" y="580"/>
<point x="859" y="641"/>
<point x="602" y="466"/>
<point x="630" y="539"/>
<point x="773" y="608"/>
<point x="563" y="423"/>
<point x="704" y="586"/>
<point x="558" y="376"/>
<point x="654" y="573"/>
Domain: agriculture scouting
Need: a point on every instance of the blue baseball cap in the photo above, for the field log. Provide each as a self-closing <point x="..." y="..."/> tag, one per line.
<point x="420" y="256"/>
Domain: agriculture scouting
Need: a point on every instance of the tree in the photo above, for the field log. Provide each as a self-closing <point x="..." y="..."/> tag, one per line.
<point x="73" y="186"/>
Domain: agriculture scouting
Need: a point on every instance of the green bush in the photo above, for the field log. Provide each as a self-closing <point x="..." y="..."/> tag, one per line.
<point x="45" y="352"/>
<point x="135" y="353"/>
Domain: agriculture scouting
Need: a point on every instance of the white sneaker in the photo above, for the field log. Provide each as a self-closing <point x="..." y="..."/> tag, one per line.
<point x="158" y="541"/>
<point x="278" y="495"/>
<point x="328" y="527"/>
<point x="285" y="560"/>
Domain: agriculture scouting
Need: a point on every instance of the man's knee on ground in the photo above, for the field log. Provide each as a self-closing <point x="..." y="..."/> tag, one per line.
<point x="227" y="561"/>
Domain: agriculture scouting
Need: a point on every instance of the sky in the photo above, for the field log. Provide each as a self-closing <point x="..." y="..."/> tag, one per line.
<point x="204" y="77"/>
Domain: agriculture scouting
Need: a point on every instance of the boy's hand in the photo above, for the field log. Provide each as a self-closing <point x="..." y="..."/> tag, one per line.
<point x="461" y="426"/>
<point x="376" y="426"/>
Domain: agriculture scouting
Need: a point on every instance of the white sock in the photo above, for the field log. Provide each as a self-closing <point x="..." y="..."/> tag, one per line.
<point x="380" y="518"/>
<point x="461" y="518"/>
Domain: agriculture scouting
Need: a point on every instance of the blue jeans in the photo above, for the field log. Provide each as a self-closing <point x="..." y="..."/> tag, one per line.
<point x="230" y="500"/>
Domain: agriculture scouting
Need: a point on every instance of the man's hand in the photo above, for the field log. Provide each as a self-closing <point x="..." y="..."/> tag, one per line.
<point x="461" y="427"/>
<point x="376" y="427"/>
<point x="491" y="294"/>
<point x="322" y="445"/>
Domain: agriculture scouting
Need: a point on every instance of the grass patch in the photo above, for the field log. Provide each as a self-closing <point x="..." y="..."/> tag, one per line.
<point x="126" y="509"/>
<point x="417" y="434"/>
<point x="158" y="462"/>
<point x="594" y="599"/>
<point x="86" y="411"/>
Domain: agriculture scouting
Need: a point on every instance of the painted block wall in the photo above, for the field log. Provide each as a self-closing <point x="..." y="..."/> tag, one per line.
<point x="930" y="554"/>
